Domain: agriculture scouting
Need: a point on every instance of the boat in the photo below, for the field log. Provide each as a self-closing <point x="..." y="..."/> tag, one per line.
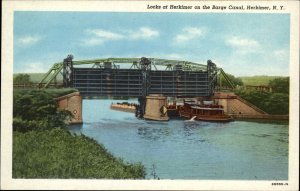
<point x="206" y="111"/>
<point x="125" y="106"/>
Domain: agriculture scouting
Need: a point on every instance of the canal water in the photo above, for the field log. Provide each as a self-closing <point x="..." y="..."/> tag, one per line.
<point x="180" y="149"/>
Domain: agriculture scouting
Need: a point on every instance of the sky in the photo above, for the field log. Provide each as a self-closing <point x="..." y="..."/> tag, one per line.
<point x="241" y="44"/>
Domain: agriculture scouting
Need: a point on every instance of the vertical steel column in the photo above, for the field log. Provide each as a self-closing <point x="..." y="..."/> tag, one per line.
<point x="68" y="71"/>
<point x="145" y="64"/>
<point x="212" y="76"/>
<point x="146" y="68"/>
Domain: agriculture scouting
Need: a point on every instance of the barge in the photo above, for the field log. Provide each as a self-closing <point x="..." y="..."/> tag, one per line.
<point x="125" y="106"/>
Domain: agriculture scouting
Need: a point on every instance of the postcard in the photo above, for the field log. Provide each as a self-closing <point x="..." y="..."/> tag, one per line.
<point x="150" y="95"/>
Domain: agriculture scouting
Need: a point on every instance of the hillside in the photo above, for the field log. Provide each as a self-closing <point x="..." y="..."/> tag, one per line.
<point x="258" y="80"/>
<point x="37" y="77"/>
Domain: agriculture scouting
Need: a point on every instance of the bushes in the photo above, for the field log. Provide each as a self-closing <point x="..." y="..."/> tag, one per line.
<point x="37" y="110"/>
<point x="272" y="103"/>
<point x="276" y="102"/>
<point x="57" y="153"/>
<point x="236" y="81"/>
<point x="280" y="85"/>
<point x="24" y="125"/>
<point x="22" y="79"/>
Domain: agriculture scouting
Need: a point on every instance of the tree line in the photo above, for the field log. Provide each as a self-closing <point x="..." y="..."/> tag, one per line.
<point x="275" y="102"/>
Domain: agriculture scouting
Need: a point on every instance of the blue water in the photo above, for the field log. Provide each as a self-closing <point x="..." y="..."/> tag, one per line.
<point x="178" y="149"/>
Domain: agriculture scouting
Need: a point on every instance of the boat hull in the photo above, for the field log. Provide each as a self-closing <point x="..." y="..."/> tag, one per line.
<point x="188" y="114"/>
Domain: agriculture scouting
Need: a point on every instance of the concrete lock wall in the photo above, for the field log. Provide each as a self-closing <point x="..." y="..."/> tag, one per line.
<point x="73" y="103"/>
<point x="238" y="107"/>
<point x="233" y="104"/>
<point x="154" y="107"/>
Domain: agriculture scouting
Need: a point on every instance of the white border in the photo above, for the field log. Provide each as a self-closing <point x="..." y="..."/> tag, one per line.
<point x="291" y="7"/>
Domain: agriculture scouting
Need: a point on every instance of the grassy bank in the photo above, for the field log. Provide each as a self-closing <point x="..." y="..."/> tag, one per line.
<point x="44" y="148"/>
<point x="56" y="153"/>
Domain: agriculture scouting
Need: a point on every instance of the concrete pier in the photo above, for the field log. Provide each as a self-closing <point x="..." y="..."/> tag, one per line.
<point x="73" y="103"/>
<point x="234" y="104"/>
<point x="156" y="107"/>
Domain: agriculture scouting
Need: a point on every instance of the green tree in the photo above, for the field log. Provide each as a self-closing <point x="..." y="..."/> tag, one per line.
<point x="22" y="79"/>
<point x="278" y="103"/>
<point x="272" y="103"/>
<point x="280" y="85"/>
<point x="234" y="80"/>
<point x="36" y="109"/>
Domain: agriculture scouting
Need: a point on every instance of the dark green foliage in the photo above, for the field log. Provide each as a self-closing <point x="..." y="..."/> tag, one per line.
<point x="24" y="125"/>
<point x="31" y="105"/>
<point x="234" y="80"/>
<point x="280" y="85"/>
<point x="272" y="103"/>
<point x="278" y="103"/>
<point x="57" y="153"/>
<point x="22" y="79"/>
<point x="36" y="110"/>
